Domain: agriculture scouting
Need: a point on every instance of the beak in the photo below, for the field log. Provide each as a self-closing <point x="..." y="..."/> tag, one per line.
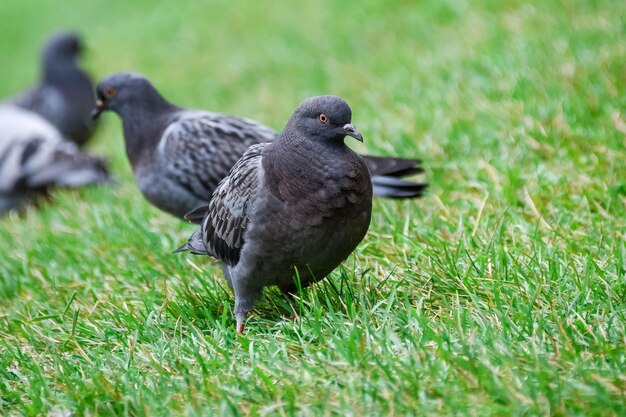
<point x="99" y="109"/>
<point x="351" y="131"/>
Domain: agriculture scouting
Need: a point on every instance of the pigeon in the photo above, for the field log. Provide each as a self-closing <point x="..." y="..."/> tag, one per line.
<point x="179" y="155"/>
<point x="34" y="156"/>
<point x="297" y="205"/>
<point x="65" y="94"/>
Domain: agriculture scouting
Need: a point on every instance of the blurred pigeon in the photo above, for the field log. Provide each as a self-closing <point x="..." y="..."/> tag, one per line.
<point x="301" y="203"/>
<point x="65" y="94"/>
<point x="180" y="155"/>
<point x="34" y="156"/>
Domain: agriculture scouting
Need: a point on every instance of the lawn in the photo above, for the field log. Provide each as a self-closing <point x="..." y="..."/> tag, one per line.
<point x="501" y="293"/>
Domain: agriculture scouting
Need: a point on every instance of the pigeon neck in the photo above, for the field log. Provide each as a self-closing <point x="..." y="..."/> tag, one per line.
<point x="295" y="142"/>
<point x="144" y="108"/>
<point x="75" y="87"/>
<point x="144" y="125"/>
<point x="298" y="150"/>
<point x="60" y="73"/>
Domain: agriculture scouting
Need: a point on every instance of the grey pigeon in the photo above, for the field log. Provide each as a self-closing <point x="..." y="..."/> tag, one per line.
<point x="65" y="94"/>
<point x="34" y="157"/>
<point x="300" y="203"/>
<point x="180" y="155"/>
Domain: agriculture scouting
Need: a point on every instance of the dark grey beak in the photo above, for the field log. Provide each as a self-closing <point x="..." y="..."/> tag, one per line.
<point x="351" y="131"/>
<point x="98" y="110"/>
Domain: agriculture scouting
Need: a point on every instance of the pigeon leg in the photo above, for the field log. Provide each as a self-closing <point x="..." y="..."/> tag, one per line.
<point x="244" y="300"/>
<point x="240" y="314"/>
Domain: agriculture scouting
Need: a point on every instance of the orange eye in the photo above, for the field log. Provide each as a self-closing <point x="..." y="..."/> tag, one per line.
<point x="323" y="118"/>
<point x="110" y="91"/>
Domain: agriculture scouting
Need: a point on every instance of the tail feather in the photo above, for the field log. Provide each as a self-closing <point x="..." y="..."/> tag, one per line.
<point x="387" y="173"/>
<point x="195" y="245"/>
<point x="197" y="215"/>
<point x="392" y="166"/>
<point x="183" y="248"/>
<point x="391" y="187"/>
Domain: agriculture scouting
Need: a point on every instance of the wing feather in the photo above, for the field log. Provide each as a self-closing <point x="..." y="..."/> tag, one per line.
<point x="202" y="147"/>
<point x="224" y="225"/>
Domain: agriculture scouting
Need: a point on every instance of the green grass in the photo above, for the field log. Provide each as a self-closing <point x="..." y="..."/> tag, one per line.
<point x="502" y="293"/>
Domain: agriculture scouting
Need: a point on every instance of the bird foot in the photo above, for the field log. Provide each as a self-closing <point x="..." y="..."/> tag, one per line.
<point x="239" y="327"/>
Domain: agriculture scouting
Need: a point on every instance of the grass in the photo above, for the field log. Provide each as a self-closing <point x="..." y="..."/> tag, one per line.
<point x="502" y="293"/>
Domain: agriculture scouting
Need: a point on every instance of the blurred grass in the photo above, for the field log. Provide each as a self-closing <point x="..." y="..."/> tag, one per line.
<point x="501" y="293"/>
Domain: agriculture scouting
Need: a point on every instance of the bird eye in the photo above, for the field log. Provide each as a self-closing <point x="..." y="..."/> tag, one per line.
<point x="110" y="91"/>
<point x="323" y="118"/>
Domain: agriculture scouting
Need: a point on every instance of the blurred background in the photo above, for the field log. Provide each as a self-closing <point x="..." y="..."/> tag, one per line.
<point x="485" y="81"/>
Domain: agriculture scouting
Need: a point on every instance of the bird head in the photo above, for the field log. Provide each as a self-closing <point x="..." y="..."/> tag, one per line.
<point x="59" y="55"/>
<point x="326" y="118"/>
<point x="121" y="90"/>
<point x="62" y="46"/>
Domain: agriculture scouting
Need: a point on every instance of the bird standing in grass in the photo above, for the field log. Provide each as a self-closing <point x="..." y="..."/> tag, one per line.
<point x="299" y="204"/>
<point x="65" y="94"/>
<point x="180" y="155"/>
